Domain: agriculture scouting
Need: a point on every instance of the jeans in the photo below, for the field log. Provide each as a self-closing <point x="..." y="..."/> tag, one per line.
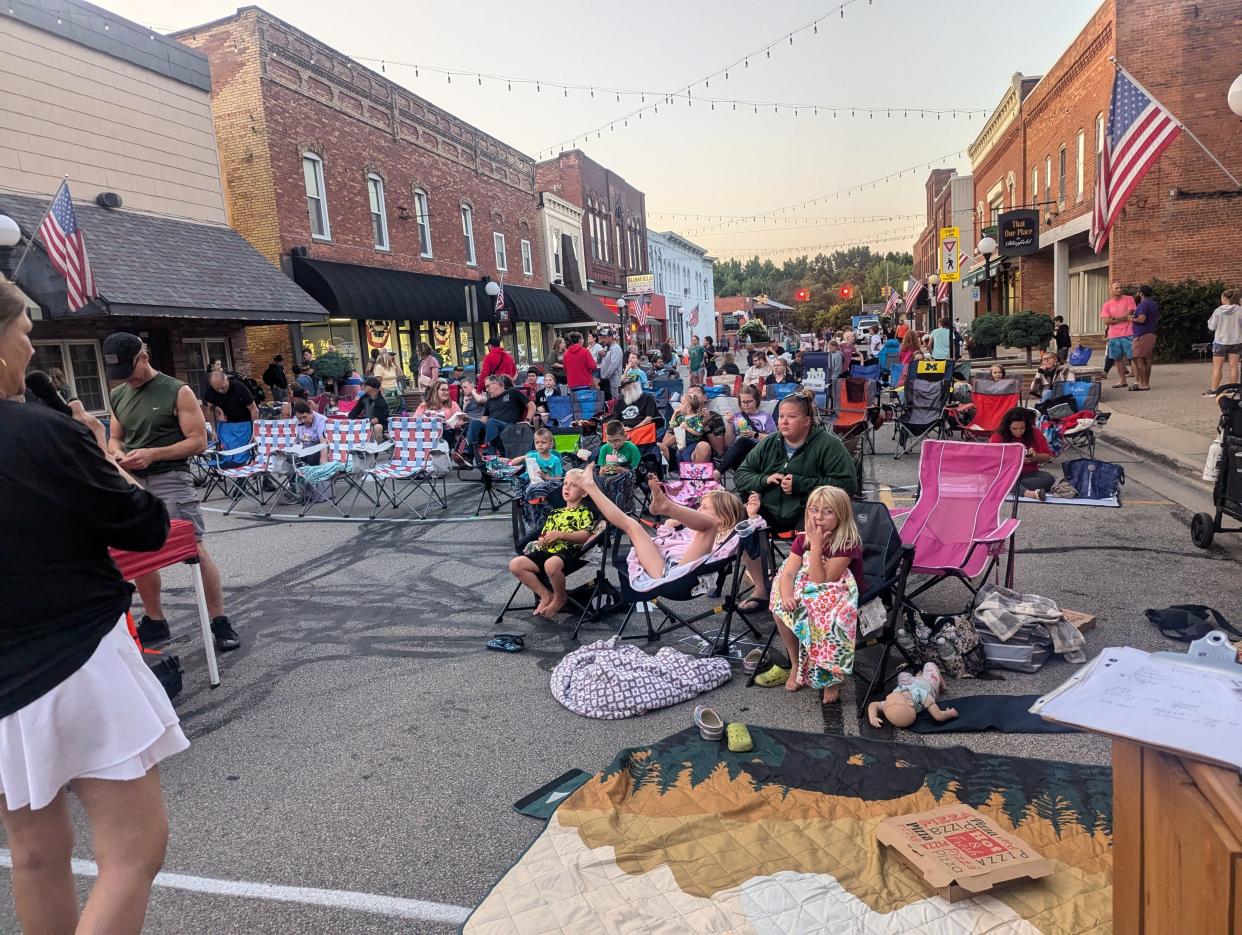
<point x="736" y="453"/>
<point x="1040" y="480"/>
<point x="486" y="432"/>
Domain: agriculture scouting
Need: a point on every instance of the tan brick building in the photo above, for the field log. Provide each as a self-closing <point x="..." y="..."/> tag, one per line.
<point x="1039" y="149"/>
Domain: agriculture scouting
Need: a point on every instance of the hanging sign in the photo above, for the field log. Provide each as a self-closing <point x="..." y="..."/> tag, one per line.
<point x="641" y="284"/>
<point x="1018" y="233"/>
<point x="950" y="242"/>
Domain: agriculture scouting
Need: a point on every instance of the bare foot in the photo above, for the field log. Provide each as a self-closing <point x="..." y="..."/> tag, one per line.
<point x="791" y="683"/>
<point x="832" y="694"/>
<point x="554" y="608"/>
<point x="659" y="501"/>
<point x="541" y="607"/>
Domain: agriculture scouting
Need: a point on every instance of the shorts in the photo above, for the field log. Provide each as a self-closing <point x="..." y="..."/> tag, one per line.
<point x="1121" y="348"/>
<point x="540" y="559"/>
<point x="180" y="498"/>
<point x="1142" y="345"/>
<point x="1224" y="350"/>
<point x="686" y="455"/>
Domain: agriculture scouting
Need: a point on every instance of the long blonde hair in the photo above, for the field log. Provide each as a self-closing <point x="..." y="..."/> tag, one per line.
<point x="728" y="509"/>
<point x="846" y="535"/>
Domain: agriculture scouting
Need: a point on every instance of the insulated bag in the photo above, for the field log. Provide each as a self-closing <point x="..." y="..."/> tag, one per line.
<point x="1094" y="480"/>
<point x="1025" y="651"/>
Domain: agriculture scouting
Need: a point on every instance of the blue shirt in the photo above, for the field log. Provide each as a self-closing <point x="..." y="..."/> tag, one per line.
<point x="306" y="383"/>
<point x="941" y="338"/>
<point x="1150" y="312"/>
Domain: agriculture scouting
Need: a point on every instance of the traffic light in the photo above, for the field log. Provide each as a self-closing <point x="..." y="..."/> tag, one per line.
<point x="802" y="295"/>
<point x="884" y="291"/>
<point x="846" y="292"/>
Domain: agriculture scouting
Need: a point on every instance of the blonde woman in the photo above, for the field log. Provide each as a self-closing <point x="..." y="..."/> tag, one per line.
<point x="815" y="596"/>
<point x="387" y="370"/>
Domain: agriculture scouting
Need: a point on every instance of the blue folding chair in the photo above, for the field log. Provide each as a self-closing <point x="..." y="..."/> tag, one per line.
<point x="234" y="446"/>
<point x="560" y="411"/>
<point x="866" y="372"/>
<point x="587" y="403"/>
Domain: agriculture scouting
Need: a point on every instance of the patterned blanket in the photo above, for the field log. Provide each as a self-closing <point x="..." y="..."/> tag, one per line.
<point x="683" y="836"/>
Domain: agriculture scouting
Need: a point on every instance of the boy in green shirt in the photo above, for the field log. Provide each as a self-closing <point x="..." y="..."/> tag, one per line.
<point x="617" y="454"/>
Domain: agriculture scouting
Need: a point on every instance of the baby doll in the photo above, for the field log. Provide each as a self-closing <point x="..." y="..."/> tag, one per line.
<point x="914" y="693"/>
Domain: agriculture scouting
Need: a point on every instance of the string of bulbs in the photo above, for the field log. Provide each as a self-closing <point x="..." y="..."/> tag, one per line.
<point x="904" y="235"/>
<point x="799" y="225"/>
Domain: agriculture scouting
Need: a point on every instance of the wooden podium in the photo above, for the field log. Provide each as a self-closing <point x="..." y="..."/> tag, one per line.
<point x="1177" y="844"/>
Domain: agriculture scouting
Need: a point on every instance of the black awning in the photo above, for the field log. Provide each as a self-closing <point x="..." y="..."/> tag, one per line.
<point x="535" y="305"/>
<point x="583" y="306"/>
<point x="362" y="292"/>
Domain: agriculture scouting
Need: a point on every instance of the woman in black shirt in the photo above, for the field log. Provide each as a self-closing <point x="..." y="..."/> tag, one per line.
<point x="78" y="706"/>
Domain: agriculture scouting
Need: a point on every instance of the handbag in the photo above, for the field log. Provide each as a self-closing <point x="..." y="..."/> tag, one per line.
<point x="1079" y="356"/>
<point x="168" y="670"/>
<point x="1094" y="480"/>
<point x="643" y="434"/>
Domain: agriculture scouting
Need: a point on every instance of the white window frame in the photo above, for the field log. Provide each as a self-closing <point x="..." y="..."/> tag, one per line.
<point x="1062" y="159"/>
<point x="422" y="217"/>
<point x="558" y="266"/>
<point x="467" y="233"/>
<point x="378" y="209"/>
<point x="321" y="196"/>
<point x="528" y="260"/>
<point x="1035" y="184"/>
<point x="1081" y="169"/>
<point x="66" y="364"/>
<point x="1099" y="133"/>
<point x="1048" y="178"/>
<point x="502" y="255"/>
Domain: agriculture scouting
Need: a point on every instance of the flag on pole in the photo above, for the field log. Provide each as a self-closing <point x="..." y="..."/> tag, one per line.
<point x="66" y="248"/>
<point x="694" y="315"/>
<point x="914" y="288"/>
<point x="1139" y="130"/>
<point x="942" y="293"/>
<point x="894" y="300"/>
<point x="640" y="310"/>
<point x="963" y="260"/>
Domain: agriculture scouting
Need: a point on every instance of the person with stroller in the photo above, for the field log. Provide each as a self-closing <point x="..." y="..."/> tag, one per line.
<point x="562" y="531"/>
<point x="1018" y="427"/>
<point x="815" y="596"/>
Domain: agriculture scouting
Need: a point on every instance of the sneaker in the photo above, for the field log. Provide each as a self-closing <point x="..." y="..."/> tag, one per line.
<point x="153" y="631"/>
<point x="226" y="636"/>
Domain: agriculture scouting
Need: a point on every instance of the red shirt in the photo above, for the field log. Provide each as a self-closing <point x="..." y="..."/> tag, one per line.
<point x="1040" y="447"/>
<point x="800" y="545"/>
<point x="498" y="361"/>
<point x="579" y="363"/>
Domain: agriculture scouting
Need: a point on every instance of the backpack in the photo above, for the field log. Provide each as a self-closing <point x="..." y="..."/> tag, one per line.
<point x="951" y="642"/>
<point x="1094" y="480"/>
<point x="256" y="388"/>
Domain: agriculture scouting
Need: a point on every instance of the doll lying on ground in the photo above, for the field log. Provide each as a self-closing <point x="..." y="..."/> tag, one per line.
<point x="914" y="693"/>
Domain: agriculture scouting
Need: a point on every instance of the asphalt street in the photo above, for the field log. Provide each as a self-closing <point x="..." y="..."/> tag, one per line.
<point x="364" y="741"/>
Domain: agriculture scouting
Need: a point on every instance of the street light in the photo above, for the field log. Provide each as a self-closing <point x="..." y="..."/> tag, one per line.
<point x="10" y="236"/>
<point x="622" y="305"/>
<point x="932" y="282"/>
<point x="492" y="288"/>
<point x="987" y="246"/>
<point x="1235" y="96"/>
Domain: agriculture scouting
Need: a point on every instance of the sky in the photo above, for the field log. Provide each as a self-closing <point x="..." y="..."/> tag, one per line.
<point x="689" y="159"/>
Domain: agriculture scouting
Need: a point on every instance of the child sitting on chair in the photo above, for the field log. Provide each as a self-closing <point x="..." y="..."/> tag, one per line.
<point x="914" y="693"/>
<point x="543" y="462"/>
<point x="564" y="529"/>
<point x="617" y="454"/>
<point x="815" y="596"/>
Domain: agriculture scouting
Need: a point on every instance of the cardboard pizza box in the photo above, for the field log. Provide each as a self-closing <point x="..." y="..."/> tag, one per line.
<point x="1083" y="622"/>
<point x="960" y="852"/>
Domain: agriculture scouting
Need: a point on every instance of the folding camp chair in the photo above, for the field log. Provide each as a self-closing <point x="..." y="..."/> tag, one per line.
<point x="921" y="412"/>
<point x="956" y="526"/>
<point x="249" y="481"/>
<point x="667" y="394"/>
<point x="1073" y="414"/>
<point x="866" y="372"/>
<point x="731" y="383"/>
<point x="233" y="447"/>
<point x="886" y="566"/>
<point x="779" y="391"/>
<point x="560" y="411"/>
<point x="855" y="404"/>
<point x="991" y="399"/>
<point x="340" y="459"/>
<point x="412" y="467"/>
<point x="587" y="404"/>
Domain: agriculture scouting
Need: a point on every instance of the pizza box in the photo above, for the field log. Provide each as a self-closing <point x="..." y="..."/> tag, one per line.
<point x="961" y="853"/>
<point x="1083" y="622"/>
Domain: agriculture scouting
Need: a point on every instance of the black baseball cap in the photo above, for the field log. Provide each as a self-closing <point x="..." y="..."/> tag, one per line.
<point x="120" y="352"/>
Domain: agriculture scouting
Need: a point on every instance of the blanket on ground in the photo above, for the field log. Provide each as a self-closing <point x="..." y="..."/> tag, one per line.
<point x="612" y="680"/>
<point x="1004" y="613"/>
<point x="684" y="836"/>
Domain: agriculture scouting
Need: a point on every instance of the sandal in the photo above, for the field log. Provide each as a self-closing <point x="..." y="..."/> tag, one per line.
<point x="507" y="643"/>
<point x="753" y="604"/>
<point x="709" y="723"/>
<point x="739" y="739"/>
<point x="751" y="660"/>
<point x="774" y="676"/>
<point x="1119" y="386"/>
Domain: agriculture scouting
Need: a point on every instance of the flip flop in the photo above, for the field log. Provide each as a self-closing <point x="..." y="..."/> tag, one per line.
<point x="753" y="604"/>
<point x="507" y="643"/>
<point x="1119" y="386"/>
<point x="739" y="738"/>
<point x="774" y="676"/>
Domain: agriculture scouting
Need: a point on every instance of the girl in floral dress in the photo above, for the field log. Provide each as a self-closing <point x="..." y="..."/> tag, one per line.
<point x="815" y="596"/>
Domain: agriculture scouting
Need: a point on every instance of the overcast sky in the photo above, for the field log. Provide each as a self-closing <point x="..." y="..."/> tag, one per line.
<point x="690" y="159"/>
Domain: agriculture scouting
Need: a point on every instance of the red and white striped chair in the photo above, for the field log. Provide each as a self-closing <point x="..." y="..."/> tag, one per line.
<point x="271" y="437"/>
<point x="340" y="460"/>
<point x="413" y="467"/>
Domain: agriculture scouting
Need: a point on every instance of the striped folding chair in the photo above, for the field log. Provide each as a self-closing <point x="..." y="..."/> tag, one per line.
<point x="411" y="468"/>
<point x="247" y="481"/>
<point x="339" y="461"/>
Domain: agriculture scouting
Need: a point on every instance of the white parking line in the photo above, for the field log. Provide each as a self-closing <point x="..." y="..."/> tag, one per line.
<point x="393" y="906"/>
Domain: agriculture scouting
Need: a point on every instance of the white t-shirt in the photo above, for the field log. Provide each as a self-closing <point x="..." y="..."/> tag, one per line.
<point x="877" y="343"/>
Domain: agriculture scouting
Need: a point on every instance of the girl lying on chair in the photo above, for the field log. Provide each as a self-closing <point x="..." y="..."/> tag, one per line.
<point x="564" y="529"/>
<point x="687" y="540"/>
<point x="815" y="597"/>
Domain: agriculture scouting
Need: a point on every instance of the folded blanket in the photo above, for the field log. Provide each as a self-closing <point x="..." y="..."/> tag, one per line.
<point x="611" y="680"/>
<point x="1005" y="613"/>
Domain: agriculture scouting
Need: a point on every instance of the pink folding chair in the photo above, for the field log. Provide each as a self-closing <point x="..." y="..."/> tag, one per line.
<point x="956" y="526"/>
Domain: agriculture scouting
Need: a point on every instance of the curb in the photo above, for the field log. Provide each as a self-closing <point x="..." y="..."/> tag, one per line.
<point x="1152" y="455"/>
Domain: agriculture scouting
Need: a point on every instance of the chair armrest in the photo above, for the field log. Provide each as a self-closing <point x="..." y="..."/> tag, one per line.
<point x="1001" y="532"/>
<point x="372" y="448"/>
<point x="232" y="451"/>
<point x="305" y="452"/>
<point x="901" y="511"/>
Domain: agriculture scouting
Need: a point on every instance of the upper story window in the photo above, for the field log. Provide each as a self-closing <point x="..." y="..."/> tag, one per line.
<point x="422" y="215"/>
<point x="1034" y="183"/>
<point x="528" y="263"/>
<point x="467" y="233"/>
<point x="1099" y="133"/>
<point x="556" y="252"/>
<point x="1061" y="176"/>
<point x="316" y="196"/>
<point x="1080" y="167"/>
<point x="502" y="259"/>
<point x="1047" y="176"/>
<point x="379" y="217"/>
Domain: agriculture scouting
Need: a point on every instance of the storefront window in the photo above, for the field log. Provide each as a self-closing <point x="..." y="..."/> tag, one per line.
<point x="78" y="361"/>
<point x="339" y="334"/>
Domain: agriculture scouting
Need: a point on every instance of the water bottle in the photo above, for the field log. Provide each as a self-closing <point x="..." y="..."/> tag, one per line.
<point x="948" y="654"/>
<point x="1211" y="467"/>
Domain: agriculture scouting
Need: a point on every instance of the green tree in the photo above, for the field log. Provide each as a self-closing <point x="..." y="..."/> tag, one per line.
<point x="333" y="366"/>
<point x="1184" y="310"/>
<point x="988" y="333"/>
<point x="1028" y="330"/>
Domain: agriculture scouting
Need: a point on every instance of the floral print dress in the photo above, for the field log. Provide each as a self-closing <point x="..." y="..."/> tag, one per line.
<point x="825" y="623"/>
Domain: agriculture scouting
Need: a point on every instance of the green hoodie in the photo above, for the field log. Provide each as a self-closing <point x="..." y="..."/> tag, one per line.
<point x="821" y="460"/>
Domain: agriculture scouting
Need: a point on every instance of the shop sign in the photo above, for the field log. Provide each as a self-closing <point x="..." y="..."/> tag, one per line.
<point x="641" y="284"/>
<point x="1019" y="233"/>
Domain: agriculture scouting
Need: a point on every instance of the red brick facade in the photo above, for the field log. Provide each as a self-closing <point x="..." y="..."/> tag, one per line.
<point x="614" y="223"/>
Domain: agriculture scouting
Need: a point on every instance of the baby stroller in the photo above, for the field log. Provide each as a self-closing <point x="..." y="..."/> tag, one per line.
<point x="1227" y="465"/>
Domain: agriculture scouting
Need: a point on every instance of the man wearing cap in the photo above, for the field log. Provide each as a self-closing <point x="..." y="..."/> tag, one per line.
<point x="157" y="426"/>
<point x="372" y="406"/>
<point x="611" y="363"/>
<point x="497" y="362"/>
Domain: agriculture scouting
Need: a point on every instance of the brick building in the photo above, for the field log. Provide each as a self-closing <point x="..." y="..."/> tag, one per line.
<point x="388" y="210"/>
<point x="1039" y="150"/>
<point x="126" y="115"/>
<point x="949" y="203"/>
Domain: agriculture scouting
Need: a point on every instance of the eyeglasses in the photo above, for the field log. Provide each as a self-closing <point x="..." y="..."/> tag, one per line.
<point x="820" y="511"/>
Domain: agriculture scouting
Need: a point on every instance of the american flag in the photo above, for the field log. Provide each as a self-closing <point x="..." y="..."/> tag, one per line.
<point x="502" y="310"/>
<point x="894" y="299"/>
<point x="1139" y="130"/>
<point x="942" y="293"/>
<point x="914" y="288"/>
<point x="66" y="248"/>
<point x="640" y="310"/>
<point x="694" y="315"/>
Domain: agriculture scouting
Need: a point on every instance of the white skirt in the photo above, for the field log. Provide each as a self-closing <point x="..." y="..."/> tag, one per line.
<point x="111" y="719"/>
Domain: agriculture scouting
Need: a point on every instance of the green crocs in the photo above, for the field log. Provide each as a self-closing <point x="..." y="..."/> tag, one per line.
<point x="773" y="676"/>
<point x="739" y="738"/>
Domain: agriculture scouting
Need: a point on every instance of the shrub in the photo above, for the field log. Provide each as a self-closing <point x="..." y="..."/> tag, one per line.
<point x="754" y="330"/>
<point x="1184" y="310"/>
<point x="333" y="366"/>
<point x="1028" y="330"/>
<point x="988" y="332"/>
